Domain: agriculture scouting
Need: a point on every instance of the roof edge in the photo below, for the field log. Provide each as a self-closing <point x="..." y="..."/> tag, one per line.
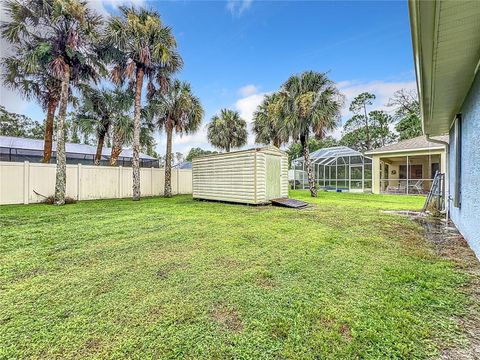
<point x="373" y="152"/>
<point x="256" y="149"/>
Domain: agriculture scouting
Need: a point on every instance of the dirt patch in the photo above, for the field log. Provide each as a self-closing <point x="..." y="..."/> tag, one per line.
<point x="227" y="318"/>
<point x="336" y="326"/>
<point x="165" y="271"/>
<point x="449" y="244"/>
<point x="50" y="200"/>
<point x="91" y="346"/>
<point x="405" y="213"/>
<point x="227" y="262"/>
<point x="263" y="278"/>
<point x="280" y="328"/>
<point x="345" y="332"/>
<point x="30" y="273"/>
<point x="265" y="283"/>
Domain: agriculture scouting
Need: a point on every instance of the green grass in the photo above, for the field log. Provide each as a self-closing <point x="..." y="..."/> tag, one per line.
<point x="177" y="278"/>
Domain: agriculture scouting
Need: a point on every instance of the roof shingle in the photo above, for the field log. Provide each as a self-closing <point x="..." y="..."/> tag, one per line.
<point x="416" y="143"/>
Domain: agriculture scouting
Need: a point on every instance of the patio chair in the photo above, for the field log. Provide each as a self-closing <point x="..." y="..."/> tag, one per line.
<point x="417" y="187"/>
<point x="391" y="189"/>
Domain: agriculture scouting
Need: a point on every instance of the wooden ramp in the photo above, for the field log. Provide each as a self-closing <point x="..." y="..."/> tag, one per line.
<point x="291" y="203"/>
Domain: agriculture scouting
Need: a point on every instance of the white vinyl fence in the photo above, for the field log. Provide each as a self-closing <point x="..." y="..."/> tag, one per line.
<point x="19" y="182"/>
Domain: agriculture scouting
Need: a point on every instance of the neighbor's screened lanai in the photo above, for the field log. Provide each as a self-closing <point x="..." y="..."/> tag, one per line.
<point x="336" y="168"/>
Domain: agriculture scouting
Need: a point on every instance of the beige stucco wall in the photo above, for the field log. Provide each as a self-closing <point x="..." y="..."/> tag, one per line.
<point x="18" y="181"/>
<point x="395" y="159"/>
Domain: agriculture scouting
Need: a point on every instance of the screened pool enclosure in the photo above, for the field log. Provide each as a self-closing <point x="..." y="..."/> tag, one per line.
<point x="337" y="168"/>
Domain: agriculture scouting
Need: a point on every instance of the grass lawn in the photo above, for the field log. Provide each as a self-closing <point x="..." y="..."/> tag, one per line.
<point x="177" y="278"/>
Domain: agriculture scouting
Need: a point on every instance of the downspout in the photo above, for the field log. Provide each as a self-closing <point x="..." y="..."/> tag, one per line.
<point x="447" y="172"/>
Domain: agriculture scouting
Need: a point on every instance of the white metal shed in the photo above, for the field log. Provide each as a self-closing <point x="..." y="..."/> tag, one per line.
<point x="252" y="176"/>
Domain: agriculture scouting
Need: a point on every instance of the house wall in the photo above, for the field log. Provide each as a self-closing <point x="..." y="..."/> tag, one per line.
<point x="467" y="216"/>
<point x="19" y="182"/>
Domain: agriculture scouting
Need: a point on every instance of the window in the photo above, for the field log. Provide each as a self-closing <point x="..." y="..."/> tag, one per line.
<point x="458" y="161"/>
<point x="386" y="171"/>
<point x="415" y="172"/>
<point x="434" y="169"/>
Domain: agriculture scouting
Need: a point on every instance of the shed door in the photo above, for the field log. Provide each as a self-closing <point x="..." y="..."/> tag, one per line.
<point x="273" y="177"/>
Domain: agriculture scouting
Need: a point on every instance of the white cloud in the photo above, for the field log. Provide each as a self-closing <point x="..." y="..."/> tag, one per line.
<point x="183" y="143"/>
<point x="12" y="101"/>
<point x="103" y="6"/>
<point x="248" y="90"/>
<point x="383" y="91"/>
<point x="238" y="7"/>
<point x="246" y="106"/>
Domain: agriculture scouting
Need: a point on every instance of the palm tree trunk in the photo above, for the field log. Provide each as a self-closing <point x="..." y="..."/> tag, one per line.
<point x="308" y="165"/>
<point x="168" y="161"/>
<point x="101" y="141"/>
<point x="136" y="135"/>
<point x="116" y="148"/>
<point x="61" y="170"/>
<point x="48" y="135"/>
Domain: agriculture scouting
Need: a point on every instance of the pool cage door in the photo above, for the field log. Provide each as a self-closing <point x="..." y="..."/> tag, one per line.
<point x="350" y="172"/>
<point x="356" y="178"/>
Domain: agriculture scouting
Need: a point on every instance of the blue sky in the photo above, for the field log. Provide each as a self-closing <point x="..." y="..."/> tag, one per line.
<point x="236" y="51"/>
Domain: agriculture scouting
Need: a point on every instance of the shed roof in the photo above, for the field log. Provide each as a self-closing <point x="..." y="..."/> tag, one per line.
<point x="20" y="143"/>
<point x="417" y="143"/>
<point x="267" y="148"/>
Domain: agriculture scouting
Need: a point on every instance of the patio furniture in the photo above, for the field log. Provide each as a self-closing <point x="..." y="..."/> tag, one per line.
<point x="400" y="189"/>
<point x="417" y="187"/>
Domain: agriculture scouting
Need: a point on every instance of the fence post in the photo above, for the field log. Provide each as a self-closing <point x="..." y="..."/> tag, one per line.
<point x="120" y="182"/>
<point x="26" y="182"/>
<point x="79" y="181"/>
<point x="151" y="182"/>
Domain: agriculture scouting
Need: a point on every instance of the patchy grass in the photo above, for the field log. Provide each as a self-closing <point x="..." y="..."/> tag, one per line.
<point x="177" y="278"/>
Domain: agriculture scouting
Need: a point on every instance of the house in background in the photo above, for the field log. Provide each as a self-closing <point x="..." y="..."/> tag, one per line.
<point x="446" y="46"/>
<point x="19" y="149"/>
<point x="409" y="166"/>
<point x="183" y="165"/>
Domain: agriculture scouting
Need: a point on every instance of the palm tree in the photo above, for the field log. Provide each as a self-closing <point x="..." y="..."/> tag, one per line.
<point x="78" y="129"/>
<point x="122" y="134"/>
<point x="28" y="72"/>
<point x="103" y="108"/>
<point x="66" y="35"/>
<point x="227" y="130"/>
<point x="140" y="45"/>
<point x="311" y="103"/>
<point x="174" y="109"/>
<point x="268" y="122"/>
